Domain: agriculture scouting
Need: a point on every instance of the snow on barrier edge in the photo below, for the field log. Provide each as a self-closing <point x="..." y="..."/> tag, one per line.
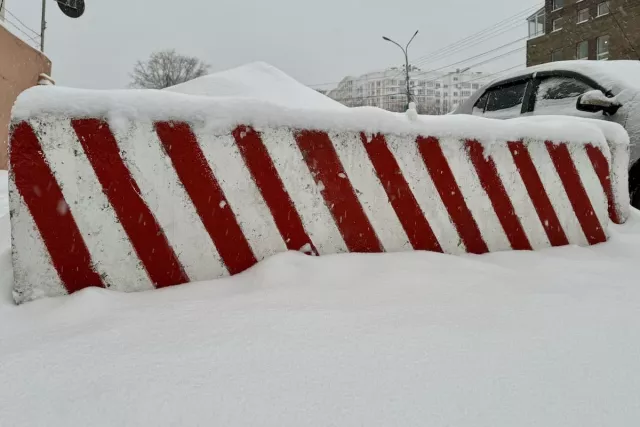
<point x="138" y="190"/>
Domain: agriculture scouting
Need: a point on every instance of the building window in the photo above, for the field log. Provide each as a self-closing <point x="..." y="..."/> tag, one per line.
<point x="430" y="92"/>
<point x="536" y="23"/>
<point x="466" y="85"/>
<point x="475" y="86"/>
<point x="438" y="85"/>
<point x="429" y="84"/>
<point x="455" y="79"/>
<point x="455" y="93"/>
<point x="466" y="93"/>
<point x="603" y="8"/>
<point x="603" y="48"/>
<point x="583" y="15"/>
<point x="556" y="25"/>
<point x="556" y="55"/>
<point x="558" y="4"/>
<point x="582" y="50"/>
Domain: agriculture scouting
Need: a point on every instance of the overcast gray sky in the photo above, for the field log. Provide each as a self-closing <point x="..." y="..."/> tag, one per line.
<point x="315" y="42"/>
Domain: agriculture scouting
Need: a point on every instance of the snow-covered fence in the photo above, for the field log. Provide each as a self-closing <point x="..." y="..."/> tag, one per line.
<point x="135" y="190"/>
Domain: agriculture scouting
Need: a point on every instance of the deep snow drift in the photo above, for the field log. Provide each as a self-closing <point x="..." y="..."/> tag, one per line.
<point x="528" y="339"/>
<point x="258" y="80"/>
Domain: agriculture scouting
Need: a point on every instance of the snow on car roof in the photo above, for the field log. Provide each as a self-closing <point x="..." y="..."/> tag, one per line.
<point x="613" y="75"/>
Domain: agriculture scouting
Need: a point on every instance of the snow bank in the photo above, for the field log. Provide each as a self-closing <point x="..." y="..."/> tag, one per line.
<point x="259" y="81"/>
<point x="515" y="338"/>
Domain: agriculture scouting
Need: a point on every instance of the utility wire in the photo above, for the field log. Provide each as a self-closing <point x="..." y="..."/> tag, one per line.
<point x="443" y="67"/>
<point x="464" y="43"/>
<point x="483" y="35"/>
<point x="29" y="37"/>
<point x="23" y="24"/>
<point x="511" y="23"/>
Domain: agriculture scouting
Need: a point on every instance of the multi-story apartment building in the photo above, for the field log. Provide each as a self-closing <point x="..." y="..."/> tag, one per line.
<point x="584" y="29"/>
<point x="433" y="92"/>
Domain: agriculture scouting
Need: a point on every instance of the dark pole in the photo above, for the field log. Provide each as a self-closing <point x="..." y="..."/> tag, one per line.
<point x="43" y="24"/>
<point x="406" y="63"/>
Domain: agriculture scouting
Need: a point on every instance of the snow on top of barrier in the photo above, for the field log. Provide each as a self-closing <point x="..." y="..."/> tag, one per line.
<point x="613" y="132"/>
<point x="221" y="113"/>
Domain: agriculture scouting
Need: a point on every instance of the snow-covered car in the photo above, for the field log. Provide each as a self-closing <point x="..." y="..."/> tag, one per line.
<point x="606" y="90"/>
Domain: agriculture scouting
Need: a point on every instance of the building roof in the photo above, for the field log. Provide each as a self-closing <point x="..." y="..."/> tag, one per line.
<point x="536" y="13"/>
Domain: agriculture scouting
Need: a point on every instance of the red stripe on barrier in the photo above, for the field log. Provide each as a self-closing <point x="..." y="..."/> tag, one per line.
<point x="451" y="195"/>
<point x="266" y="177"/>
<point x="43" y="196"/>
<point x="561" y="159"/>
<point x="206" y="194"/>
<point x="601" y="166"/>
<point x="538" y="194"/>
<point x="323" y="162"/>
<point x="144" y="232"/>
<point x="400" y="196"/>
<point x="492" y="184"/>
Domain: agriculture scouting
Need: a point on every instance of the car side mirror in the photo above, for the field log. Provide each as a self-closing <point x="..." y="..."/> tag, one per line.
<point x="595" y="101"/>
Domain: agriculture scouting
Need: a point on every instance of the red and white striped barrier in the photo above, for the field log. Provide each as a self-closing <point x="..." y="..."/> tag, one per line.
<point x="143" y="203"/>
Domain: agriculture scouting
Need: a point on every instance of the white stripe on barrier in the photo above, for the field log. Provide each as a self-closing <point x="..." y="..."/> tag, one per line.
<point x="246" y="202"/>
<point x="474" y="195"/>
<point x="372" y="196"/>
<point x="558" y="196"/>
<point x="405" y="151"/>
<point x="590" y="182"/>
<point x="303" y="191"/>
<point x="31" y="260"/>
<point x="167" y="199"/>
<point x="519" y="196"/>
<point x="111" y="251"/>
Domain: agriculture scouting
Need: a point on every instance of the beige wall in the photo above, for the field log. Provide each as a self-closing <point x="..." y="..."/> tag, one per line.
<point x="20" y="66"/>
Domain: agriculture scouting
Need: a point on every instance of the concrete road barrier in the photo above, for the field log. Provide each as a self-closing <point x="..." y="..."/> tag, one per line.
<point x="134" y="203"/>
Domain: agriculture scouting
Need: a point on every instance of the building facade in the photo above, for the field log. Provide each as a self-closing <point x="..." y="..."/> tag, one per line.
<point x="20" y="68"/>
<point x="584" y="29"/>
<point x="433" y="92"/>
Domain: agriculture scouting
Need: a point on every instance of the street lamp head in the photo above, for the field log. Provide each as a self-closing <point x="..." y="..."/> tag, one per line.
<point x="386" y="38"/>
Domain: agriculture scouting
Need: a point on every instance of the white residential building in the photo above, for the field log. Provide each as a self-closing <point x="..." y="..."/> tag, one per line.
<point x="433" y="92"/>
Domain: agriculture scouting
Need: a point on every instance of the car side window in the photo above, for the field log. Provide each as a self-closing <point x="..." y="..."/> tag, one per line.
<point x="558" y="95"/>
<point x="481" y="103"/>
<point x="506" y="101"/>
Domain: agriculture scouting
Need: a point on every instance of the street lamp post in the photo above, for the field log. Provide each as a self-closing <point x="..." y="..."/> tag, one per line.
<point x="406" y="62"/>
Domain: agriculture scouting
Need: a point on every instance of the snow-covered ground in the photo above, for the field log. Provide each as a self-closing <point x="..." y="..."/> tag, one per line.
<point x="508" y="339"/>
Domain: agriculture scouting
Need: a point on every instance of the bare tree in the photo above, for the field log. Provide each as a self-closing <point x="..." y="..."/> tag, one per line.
<point x="166" y="68"/>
